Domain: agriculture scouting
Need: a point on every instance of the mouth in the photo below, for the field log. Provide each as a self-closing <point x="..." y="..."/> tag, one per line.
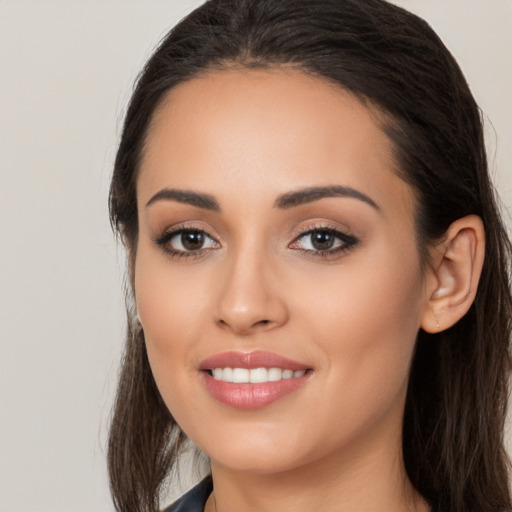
<point x="249" y="380"/>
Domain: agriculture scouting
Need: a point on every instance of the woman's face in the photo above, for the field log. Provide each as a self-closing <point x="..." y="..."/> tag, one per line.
<point x="274" y="233"/>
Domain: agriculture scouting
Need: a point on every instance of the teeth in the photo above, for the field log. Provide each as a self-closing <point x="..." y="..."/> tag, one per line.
<point x="241" y="375"/>
<point x="275" y="374"/>
<point x="227" y="374"/>
<point x="287" y="374"/>
<point x="258" y="375"/>
<point x="254" y="375"/>
<point x="218" y="374"/>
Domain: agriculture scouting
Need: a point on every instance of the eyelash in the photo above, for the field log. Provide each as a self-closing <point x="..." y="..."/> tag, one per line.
<point x="348" y="242"/>
<point x="164" y="239"/>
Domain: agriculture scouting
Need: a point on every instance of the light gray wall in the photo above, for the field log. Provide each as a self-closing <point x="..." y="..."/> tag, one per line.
<point x="66" y="69"/>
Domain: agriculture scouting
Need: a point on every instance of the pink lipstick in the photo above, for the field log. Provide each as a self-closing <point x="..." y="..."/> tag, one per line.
<point x="249" y="380"/>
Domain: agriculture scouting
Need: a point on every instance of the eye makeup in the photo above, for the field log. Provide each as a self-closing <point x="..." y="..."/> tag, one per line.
<point x="320" y="240"/>
<point x="186" y="241"/>
<point x="323" y="241"/>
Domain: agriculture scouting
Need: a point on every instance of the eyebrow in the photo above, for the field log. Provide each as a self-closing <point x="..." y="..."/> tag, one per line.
<point x="205" y="201"/>
<point x="310" y="194"/>
<point x="283" y="202"/>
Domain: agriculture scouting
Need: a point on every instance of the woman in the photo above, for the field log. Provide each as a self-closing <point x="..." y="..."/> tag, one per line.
<point x="319" y="277"/>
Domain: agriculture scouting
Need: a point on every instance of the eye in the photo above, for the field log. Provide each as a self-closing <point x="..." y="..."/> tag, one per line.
<point x="323" y="241"/>
<point x="186" y="241"/>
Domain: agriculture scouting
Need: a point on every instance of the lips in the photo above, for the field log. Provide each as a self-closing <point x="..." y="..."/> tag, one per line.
<point x="255" y="359"/>
<point x="248" y="380"/>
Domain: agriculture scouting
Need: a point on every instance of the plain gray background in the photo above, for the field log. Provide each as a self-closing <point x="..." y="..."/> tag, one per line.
<point x="66" y="71"/>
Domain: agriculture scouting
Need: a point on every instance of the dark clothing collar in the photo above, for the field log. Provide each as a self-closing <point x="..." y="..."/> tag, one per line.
<point x="195" y="499"/>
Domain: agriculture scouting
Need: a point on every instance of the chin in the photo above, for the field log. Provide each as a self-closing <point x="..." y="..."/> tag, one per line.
<point x="255" y="462"/>
<point x="247" y="448"/>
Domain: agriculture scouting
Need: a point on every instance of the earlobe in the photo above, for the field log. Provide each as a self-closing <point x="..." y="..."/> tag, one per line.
<point x="457" y="265"/>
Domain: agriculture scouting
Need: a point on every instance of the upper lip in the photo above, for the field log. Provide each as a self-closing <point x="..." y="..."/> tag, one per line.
<point x="250" y="360"/>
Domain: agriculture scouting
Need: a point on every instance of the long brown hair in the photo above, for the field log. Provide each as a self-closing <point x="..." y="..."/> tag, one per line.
<point x="458" y="389"/>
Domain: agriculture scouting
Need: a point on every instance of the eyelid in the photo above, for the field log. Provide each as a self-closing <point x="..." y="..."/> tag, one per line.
<point x="348" y="240"/>
<point x="323" y="225"/>
<point x="162" y="240"/>
<point x="345" y="242"/>
<point x="184" y="226"/>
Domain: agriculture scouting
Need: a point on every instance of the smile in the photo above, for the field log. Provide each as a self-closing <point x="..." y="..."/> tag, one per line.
<point x="255" y="375"/>
<point x="251" y="380"/>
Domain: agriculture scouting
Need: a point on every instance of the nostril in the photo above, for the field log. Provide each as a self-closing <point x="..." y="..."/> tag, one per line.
<point x="223" y="324"/>
<point x="263" y="323"/>
<point x="246" y="327"/>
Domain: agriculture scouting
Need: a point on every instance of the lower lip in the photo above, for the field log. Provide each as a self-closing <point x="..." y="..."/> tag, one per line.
<point x="252" y="396"/>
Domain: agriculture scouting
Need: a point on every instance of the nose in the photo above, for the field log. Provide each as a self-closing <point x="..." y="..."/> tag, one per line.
<point x="250" y="297"/>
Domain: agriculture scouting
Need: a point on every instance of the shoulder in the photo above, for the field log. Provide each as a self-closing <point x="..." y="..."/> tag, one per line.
<point x="195" y="499"/>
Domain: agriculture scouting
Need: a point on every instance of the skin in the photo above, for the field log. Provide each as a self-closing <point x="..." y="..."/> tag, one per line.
<point x="246" y="138"/>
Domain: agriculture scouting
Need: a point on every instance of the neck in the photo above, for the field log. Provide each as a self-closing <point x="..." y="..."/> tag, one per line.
<point x="339" y="482"/>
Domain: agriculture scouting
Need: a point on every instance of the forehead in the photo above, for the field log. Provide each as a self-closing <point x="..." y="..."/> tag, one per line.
<point x="267" y="130"/>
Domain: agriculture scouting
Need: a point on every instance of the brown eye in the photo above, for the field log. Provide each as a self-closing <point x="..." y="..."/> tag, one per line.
<point x="184" y="242"/>
<point x="322" y="240"/>
<point x="189" y="240"/>
<point x="192" y="240"/>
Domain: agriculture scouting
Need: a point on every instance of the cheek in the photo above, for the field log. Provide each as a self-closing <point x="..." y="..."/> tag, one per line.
<point x="171" y="309"/>
<point x="168" y="300"/>
<point x="366" y="317"/>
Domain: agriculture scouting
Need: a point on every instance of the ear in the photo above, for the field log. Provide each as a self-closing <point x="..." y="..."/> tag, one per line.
<point x="453" y="278"/>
